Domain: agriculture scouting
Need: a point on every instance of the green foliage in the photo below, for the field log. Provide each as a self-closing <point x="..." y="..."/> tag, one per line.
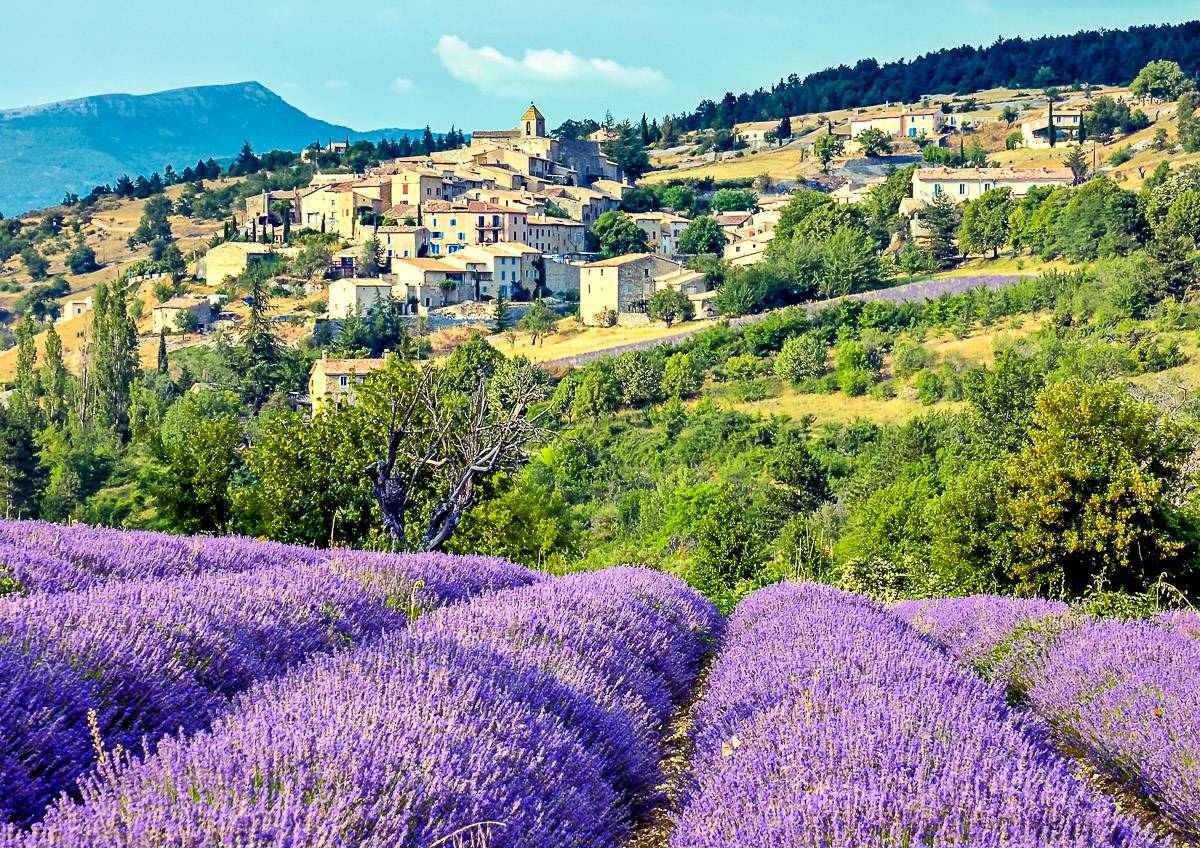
<point x="1161" y="79"/>
<point x="985" y="222"/>
<point x="874" y="142"/>
<point x="1087" y="498"/>
<point x="827" y="148"/>
<point x="597" y="393"/>
<point x="730" y="199"/>
<point x="617" y="234"/>
<point x="802" y="357"/>
<point x="703" y="235"/>
<point x="682" y="376"/>
<point x="669" y="305"/>
<point x="728" y="551"/>
<point x="539" y="321"/>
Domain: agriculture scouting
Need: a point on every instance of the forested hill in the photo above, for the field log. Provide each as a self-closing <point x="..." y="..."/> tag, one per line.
<point x="1106" y="56"/>
<point x="73" y="145"/>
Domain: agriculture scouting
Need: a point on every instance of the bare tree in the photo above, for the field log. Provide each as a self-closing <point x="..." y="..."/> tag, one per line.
<point x="436" y="438"/>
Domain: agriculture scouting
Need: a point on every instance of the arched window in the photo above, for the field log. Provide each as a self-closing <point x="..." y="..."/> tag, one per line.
<point x="528" y="128"/>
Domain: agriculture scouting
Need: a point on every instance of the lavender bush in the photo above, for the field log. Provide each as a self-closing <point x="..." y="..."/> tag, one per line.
<point x="1126" y="694"/>
<point x="975" y="627"/>
<point x="123" y="665"/>
<point x="829" y="722"/>
<point x="528" y="734"/>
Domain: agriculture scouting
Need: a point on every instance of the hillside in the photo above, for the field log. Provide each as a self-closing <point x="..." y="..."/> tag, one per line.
<point x="73" y="145"/>
<point x="1104" y="56"/>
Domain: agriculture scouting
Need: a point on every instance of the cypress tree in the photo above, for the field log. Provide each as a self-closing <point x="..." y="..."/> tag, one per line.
<point x="55" y="379"/>
<point x="25" y="390"/>
<point x="163" y="362"/>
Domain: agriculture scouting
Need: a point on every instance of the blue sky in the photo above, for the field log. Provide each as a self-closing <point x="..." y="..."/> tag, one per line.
<point x="477" y="64"/>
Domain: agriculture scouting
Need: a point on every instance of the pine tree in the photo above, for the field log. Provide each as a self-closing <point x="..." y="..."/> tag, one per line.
<point x="940" y="220"/>
<point x="55" y="378"/>
<point x="259" y="355"/>
<point x="1077" y="162"/>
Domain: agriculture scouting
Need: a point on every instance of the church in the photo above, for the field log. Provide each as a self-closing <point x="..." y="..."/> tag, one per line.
<point x="566" y="161"/>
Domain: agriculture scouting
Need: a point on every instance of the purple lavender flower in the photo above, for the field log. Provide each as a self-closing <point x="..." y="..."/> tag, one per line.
<point x="516" y="721"/>
<point x="122" y="665"/>
<point x="829" y="722"/>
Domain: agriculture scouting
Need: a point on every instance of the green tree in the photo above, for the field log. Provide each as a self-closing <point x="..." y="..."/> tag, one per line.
<point x="682" y="376"/>
<point x="370" y="258"/>
<point x="731" y="199"/>
<point x="1162" y="80"/>
<point x="22" y="474"/>
<point x="155" y="222"/>
<point x="471" y="362"/>
<point x="259" y="359"/>
<point x="703" y="235"/>
<point x="82" y="259"/>
<point x="853" y="367"/>
<point x="874" y="142"/>
<point x="728" y="550"/>
<point x="191" y="481"/>
<point x="25" y="386"/>
<point x="985" y="222"/>
<point x="163" y="362"/>
<point x="310" y="483"/>
<point x="940" y="222"/>
<point x="501" y="314"/>
<point x="540" y="321"/>
<point x="640" y="376"/>
<point x="36" y="265"/>
<point x="618" y="235"/>
<point x="55" y="378"/>
<point x="827" y="148"/>
<point x="669" y="305"/>
<point x="1003" y="398"/>
<point x="628" y="151"/>
<point x="801" y="357"/>
<point x="597" y="393"/>
<point x="1078" y="163"/>
<point x="115" y="356"/>
<point x="848" y="264"/>
<point x="1092" y="494"/>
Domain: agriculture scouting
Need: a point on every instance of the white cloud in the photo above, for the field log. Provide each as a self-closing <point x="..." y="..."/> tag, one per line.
<point x="333" y="85"/>
<point x="403" y="85"/>
<point x="496" y="73"/>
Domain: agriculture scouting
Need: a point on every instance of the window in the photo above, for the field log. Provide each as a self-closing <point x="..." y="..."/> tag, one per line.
<point x="343" y="381"/>
<point x="426" y="302"/>
<point x="962" y="188"/>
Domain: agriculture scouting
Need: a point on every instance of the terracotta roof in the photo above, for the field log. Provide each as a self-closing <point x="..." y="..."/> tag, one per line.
<point x="426" y="264"/>
<point x="542" y="221"/>
<point x="183" y="301"/>
<point x="347" y="366"/>
<point x="617" y="261"/>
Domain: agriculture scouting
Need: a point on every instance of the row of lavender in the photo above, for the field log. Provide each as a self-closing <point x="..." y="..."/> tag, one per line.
<point x="123" y="664"/>
<point x="37" y="556"/>
<point x="528" y="717"/>
<point x="1124" y="693"/>
<point x="830" y="722"/>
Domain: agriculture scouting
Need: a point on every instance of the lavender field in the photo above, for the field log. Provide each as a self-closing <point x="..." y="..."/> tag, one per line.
<point x="167" y="691"/>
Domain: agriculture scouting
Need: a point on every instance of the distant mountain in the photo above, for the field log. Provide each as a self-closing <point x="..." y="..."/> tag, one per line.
<point x="46" y="151"/>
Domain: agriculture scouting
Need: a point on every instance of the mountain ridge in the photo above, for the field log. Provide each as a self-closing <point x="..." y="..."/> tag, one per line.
<point x="71" y="145"/>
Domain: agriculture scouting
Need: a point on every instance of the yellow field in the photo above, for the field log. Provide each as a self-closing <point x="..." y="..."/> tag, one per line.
<point x="574" y="338"/>
<point x="839" y="408"/>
